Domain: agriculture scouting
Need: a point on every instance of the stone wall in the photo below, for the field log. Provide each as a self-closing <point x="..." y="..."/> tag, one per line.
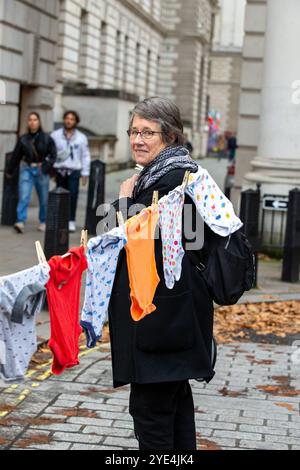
<point x="28" y="35"/>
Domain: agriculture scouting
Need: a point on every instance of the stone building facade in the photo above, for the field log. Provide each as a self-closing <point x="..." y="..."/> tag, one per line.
<point x="28" y="47"/>
<point x="226" y="63"/>
<point x="108" y="58"/>
<point x="269" y="118"/>
<point x="100" y="57"/>
<point x="184" y="63"/>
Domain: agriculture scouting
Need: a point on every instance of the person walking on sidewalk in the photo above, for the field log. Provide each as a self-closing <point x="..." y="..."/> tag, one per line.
<point x="158" y="355"/>
<point x="35" y="152"/>
<point x="73" y="160"/>
<point x="232" y="146"/>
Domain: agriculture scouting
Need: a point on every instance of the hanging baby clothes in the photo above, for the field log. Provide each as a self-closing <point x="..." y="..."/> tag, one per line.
<point x="102" y="257"/>
<point x="141" y="264"/>
<point x="170" y="223"/>
<point x="63" y="292"/>
<point x="22" y="296"/>
<point x="214" y="207"/>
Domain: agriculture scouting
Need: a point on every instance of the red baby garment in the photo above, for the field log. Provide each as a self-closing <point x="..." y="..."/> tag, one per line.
<point x="63" y="293"/>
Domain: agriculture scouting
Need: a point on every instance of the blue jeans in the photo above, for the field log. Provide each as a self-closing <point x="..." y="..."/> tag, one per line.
<point x="30" y="177"/>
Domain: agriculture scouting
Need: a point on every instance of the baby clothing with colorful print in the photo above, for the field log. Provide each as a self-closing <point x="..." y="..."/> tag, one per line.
<point x="214" y="207"/>
<point x="170" y="224"/>
<point x="22" y="297"/>
<point x="141" y="263"/>
<point x="102" y="256"/>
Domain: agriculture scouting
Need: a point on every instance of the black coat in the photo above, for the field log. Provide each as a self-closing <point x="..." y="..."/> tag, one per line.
<point x="174" y="342"/>
<point x="45" y="150"/>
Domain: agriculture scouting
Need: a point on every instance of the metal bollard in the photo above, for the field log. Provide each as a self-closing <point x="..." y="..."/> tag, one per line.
<point x="249" y="215"/>
<point x="96" y="195"/>
<point x="9" y="195"/>
<point x="57" y="225"/>
<point x="291" y="253"/>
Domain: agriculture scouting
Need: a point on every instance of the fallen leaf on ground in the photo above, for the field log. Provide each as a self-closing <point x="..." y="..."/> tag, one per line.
<point x="288" y="406"/>
<point x="32" y="440"/>
<point x="206" y="444"/>
<point x="78" y="413"/>
<point x="265" y="318"/>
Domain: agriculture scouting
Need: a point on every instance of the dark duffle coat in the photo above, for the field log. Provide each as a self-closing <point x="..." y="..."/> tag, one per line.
<point x="174" y="342"/>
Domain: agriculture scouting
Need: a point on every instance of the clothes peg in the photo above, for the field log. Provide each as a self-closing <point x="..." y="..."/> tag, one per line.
<point x="84" y="239"/>
<point x="139" y="167"/>
<point x="120" y="219"/>
<point x="186" y="179"/>
<point x="155" y="198"/>
<point x="40" y="253"/>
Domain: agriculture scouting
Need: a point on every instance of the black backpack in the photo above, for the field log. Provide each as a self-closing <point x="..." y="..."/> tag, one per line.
<point x="227" y="265"/>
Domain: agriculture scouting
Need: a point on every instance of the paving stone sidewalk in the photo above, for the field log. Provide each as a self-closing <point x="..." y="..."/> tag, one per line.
<point x="252" y="403"/>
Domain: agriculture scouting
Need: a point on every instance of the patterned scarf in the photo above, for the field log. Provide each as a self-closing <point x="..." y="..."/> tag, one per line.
<point x="169" y="159"/>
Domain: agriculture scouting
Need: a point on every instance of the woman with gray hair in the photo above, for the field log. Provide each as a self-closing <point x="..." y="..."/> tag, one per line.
<point x="161" y="353"/>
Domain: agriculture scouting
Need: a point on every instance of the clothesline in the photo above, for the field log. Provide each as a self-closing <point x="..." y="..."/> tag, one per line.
<point x="22" y="294"/>
<point x="214" y="207"/>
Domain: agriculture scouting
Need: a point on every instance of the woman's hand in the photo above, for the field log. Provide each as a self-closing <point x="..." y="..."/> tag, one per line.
<point x="84" y="180"/>
<point x="127" y="187"/>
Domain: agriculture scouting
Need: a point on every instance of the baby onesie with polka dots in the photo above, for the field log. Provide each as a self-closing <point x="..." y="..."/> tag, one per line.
<point x="102" y="257"/>
<point x="170" y="224"/>
<point x="214" y="207"/>
<point x="21" y="299"/>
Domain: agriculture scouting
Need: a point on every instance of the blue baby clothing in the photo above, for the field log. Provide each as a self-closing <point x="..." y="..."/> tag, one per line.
<point x="21" y="299"/>
<point x="170" y="224"/>
<point x="102" y="257"/>
<point x="214" y="207"/>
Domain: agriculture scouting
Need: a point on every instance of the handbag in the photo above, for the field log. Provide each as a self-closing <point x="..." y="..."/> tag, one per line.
<point x="47" y="163"/>
<point x="63" y="155"/>
<point x="227" y="265"/>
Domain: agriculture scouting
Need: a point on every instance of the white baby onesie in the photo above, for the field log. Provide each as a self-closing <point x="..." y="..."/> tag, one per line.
<point x="170" y="223"/>
<point x="102" y="258"/>
<point x="21" y="298"/>
<point x="214" y="207"/>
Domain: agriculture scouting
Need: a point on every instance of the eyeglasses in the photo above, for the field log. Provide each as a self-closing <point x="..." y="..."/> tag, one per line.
<point x="146" y="134"/>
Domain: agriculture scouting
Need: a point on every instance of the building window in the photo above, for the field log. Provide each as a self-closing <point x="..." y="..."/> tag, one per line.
<point x="102" y="49"/>
<point x="149" y="76"/>
<point x="138" y="84"/>
<point x="119" y="60"/>
<point x="83" y="45"/>
<point x="125" y="63"/>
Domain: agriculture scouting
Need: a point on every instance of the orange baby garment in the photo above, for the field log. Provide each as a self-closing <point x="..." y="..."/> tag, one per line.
<point x="141" y="264"/>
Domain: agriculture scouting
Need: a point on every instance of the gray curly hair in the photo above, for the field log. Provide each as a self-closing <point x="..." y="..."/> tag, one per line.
<point x="164" y="112"/>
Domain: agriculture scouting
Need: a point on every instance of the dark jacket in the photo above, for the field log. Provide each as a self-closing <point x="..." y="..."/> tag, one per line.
<point x="174" y="342"/>
<point x="24" y="150"/>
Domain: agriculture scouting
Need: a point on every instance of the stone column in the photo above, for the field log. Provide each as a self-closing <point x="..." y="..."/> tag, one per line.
<point x="277" y="164"/>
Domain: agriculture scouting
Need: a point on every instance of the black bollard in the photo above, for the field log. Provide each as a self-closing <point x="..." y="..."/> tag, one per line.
<point x="9" y="195"/>
<point x="96" y="195"/>
<point x="57" y="225"/>
<point x="249" y="215"/>
<point x="291" y="252"/>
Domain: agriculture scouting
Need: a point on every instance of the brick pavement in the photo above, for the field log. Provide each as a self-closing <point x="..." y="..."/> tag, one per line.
<point x="80" y="410"/>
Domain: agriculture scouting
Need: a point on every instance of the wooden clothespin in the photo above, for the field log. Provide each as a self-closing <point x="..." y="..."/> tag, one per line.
<point x="138" y="167"/>
<point x="155" y="198"/>
<point x="120" y="219"/>
<point x="186" y="179"/>
<point x="84" y="239"/>
<point x="40" y="253"/>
